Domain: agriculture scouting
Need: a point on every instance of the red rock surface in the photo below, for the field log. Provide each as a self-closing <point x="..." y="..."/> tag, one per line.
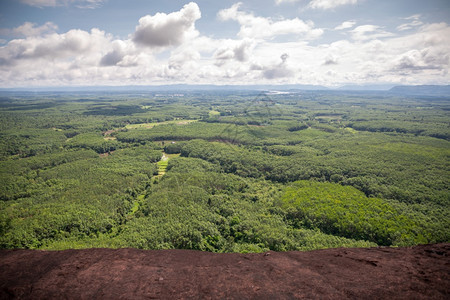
<point x="420" y="272"/>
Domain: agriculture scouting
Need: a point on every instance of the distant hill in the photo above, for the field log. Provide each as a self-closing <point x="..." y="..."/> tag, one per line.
<point x="422" y="90"/>
<point x="370" y="87"/>
<point x="206" y="87"/>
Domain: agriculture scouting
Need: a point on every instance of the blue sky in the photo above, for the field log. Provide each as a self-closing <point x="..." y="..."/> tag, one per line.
<point x="147" y="42"/>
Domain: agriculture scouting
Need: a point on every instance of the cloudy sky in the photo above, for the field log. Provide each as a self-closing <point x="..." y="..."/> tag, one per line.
<point x="153" y="42"/>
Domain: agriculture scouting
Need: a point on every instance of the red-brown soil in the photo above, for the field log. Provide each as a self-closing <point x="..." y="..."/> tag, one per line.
<point x="420" y="272"/>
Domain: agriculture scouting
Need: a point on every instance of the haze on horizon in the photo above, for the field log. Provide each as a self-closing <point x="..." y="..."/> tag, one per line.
<point x="138" y="42"/>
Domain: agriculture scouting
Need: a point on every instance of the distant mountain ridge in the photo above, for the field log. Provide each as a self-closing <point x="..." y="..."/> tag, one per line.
<point x="172" y="87"/>
<point x="422" y="90"/>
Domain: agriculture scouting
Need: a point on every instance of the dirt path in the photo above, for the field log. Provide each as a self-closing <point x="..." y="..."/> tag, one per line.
<point x="421" y="272"/>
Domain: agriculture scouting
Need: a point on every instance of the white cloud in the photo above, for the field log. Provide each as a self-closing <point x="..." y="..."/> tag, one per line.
<point x="369" y="32"/>
<point x="182" y="60"/>
<point x="416" y="60"/>
<point x="370" y="54"/>
<point x="328" y="4"/>
<point x="233" y="50"/>
<point x="53" y="3"/>
<point x="331" y="60"/>
<point x="345" y="25"/>
<point x="369" y="60"/>
<point x="430" y="50"/>
<point x="280" y="70"/>
<point x="91" y="4"/>
<point x="31" y="29"/>
<point x="261" y="28"/>
<point x="123" y="54"/>
<point x="278" y="2"/>
<point x="413" y="17"/>
<point x="414" y="23"/>
<point x="408" y="26"/>
<point x="162" y="30"/>
<point x="54" y="59"/>
<point x="42" y="3"/>
<point x="54" y="50"/>
<point x="189" y="59"/>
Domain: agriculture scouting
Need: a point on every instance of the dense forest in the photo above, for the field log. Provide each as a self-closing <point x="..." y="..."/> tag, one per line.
<point x="223" y="171"/>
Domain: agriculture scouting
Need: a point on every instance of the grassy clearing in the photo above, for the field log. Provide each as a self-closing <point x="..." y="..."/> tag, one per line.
<point x="162" y="164"/>
<point x="214" y="113"/>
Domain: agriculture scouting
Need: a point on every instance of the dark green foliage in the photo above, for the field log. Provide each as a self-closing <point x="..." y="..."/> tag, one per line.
<point x="30" y="142"/>
<point x="298" y="127"/>
<point x="416" y="128"/>
<point x="79" y="197"/>
<point x="410" y="170"/>
<point x="173" y="147"/>
<point x="18" y="177"/>
<point x="345" y="211"/>
<point x="205" y="210"/>
<point x="94" y="141"/>
<point x="113" y="110"/>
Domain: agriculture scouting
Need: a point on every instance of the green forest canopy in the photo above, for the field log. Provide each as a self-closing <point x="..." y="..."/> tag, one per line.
<point x="245" y="172"/>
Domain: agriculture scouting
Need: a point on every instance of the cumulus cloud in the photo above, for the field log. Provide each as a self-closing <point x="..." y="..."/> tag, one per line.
<point x="112" y="58"/>
<point x="54" y="59"/>
<point x="329" y="4"/>
<point x="53" y="3"/>
<point x="415" y="60"/>
<point x="93" y="57"/>
<point x="180" y="59"/>
<point x="430" y="50"/>
<point x="116" y="57"/>
<point x="233" y="50"/>
<point x="262" y="28"/>
<point x="370" y="54"/>
<point x="279" y="71"/>
<point x="330" y="60"/>
<point x="345" y="25"/>
<point x="74" y="42"/>
<point x="67" y="47"/>
<point x="162" y="30"/>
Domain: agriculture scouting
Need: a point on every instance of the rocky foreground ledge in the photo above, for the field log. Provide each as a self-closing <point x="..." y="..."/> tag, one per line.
<point x="421" y="272"/>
